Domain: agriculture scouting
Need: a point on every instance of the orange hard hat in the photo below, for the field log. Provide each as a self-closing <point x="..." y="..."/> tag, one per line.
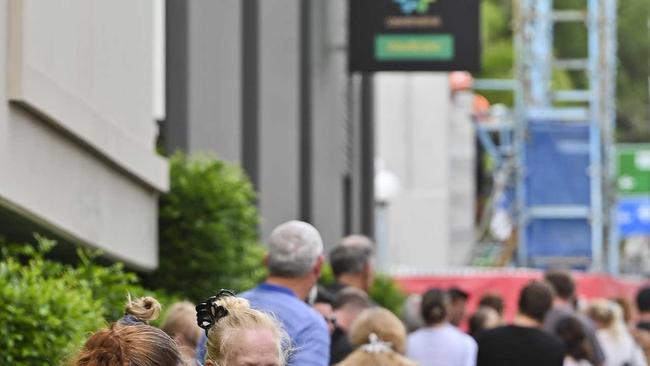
<point x="460" y="80"/>
<point x="481" y="104"/>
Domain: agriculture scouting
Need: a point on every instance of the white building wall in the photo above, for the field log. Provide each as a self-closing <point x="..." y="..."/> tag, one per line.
<point x="418" y="141"/>
<point x="462" y="177"/>
<point x="77" y="127"/>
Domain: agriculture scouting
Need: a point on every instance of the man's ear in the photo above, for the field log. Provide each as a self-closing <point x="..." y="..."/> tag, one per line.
<point x="318" y="267"/>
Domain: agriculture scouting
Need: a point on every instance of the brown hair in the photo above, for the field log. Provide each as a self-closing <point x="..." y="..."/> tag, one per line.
<point x="241" y="316"/>
<point x="492" y="300"/>
<point x="562" y="282"/>
<point x="535" y="300"/>
<point x="434" y="306"/>
<point x="572" y="333"/>
<point x="352" y="296"/>
<point x="131" y="341"/>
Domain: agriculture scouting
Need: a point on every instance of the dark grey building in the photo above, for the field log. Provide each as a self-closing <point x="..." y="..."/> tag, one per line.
<point x="264" y="84"/>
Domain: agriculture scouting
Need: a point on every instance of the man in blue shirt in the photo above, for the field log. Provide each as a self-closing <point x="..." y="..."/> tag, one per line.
<point x="294" y="262"/>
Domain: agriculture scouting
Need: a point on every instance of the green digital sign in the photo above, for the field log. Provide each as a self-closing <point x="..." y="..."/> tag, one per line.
<point x="633" y="168"/>
<point x="414" y="47"/>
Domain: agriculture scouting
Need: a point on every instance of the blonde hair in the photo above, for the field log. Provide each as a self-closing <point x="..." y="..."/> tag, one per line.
<point x="362" y="358"/>
<point x="609" y="314"/>
<point x="144" y="309"/>
<point x="381" y="322"/>
<point x="241" y="316"/>
<point x="181" y="319"/>
<point x="131" y="341"/>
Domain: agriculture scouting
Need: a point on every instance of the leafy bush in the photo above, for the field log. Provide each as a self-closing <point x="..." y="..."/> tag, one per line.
<point x="49" y="308"/>
<point x="112" y="284"/>
<point x="46" y="312"/>
<point x="386" y="292"/>
<point x="327" y="275"/>
<point x="208" y="230"/>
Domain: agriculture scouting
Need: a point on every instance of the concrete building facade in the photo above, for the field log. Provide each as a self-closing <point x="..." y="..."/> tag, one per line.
<point x="78" y="123"/>
<point x="426" y="140"/>
<point x="264" y="84"/>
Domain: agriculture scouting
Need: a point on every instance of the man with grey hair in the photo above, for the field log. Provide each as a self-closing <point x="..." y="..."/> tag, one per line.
<point x="352" y="263"/>
<point x="294" y="261"/>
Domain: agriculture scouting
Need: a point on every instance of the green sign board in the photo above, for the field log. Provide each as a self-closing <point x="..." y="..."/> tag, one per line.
<point x="633" y="173"/>
<point x="414" y="47"/>
<point x="413" y="35"/>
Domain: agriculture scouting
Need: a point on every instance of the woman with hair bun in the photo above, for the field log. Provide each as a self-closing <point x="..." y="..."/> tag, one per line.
<point x="379" y="338"/>
<point x="240" y="335"/>
<point x="440" y="343"/>
<point x="131" y="340"/>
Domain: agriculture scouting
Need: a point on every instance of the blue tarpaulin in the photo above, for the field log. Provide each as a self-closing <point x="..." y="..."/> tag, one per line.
<point x="557" y="159"/>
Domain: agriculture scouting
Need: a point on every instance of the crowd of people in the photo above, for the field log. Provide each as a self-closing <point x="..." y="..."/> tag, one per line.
<point x="291" y="320"/>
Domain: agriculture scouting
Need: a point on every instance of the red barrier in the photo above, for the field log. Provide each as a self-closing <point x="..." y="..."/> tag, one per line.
<point x="508" y="283"/>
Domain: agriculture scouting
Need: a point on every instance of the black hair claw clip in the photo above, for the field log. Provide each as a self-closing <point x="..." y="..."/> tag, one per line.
<point x="208" y="312"/>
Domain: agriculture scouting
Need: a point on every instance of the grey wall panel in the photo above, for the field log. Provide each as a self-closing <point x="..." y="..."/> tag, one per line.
<point x="278" y="114"/>
<point x="175" y="128"/>
<point x="214" y="76"/>
<point x="329" y="117"/>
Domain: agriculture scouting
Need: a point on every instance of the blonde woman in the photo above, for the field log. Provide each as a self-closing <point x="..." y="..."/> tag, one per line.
<point x="379" y="338"/>
<point x="180" y="324"/>
<point x="619" y="346"/>
<point x="131" y="340"/>
<point x="239" y="335"/>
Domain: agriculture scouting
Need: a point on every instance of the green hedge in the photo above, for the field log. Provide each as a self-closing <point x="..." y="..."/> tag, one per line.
<point x="386" y="292"/>
<point x="208" y="230"/>
<point x="49" y="308"/>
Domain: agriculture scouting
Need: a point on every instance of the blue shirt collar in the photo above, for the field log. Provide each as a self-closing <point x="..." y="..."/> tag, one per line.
<point x="275" y="288"/>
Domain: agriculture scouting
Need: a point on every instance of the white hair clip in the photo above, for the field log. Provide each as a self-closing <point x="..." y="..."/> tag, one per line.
<point x="376" y="345"/>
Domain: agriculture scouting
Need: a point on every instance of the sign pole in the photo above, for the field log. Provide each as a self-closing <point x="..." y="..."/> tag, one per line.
<point x="367" y="138"/>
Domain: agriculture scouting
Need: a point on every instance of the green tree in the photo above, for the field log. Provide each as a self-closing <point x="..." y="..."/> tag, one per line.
<point x="49" y="308"/>
<point x="633" y="72"/>
<point x="208" y="230"/>
<point x="633" y="99"/>
<point x="43" y="317"/>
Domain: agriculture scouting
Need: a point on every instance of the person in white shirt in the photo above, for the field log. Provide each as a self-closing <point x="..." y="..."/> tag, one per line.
<point x="440" y="343"/>
<point x="617" y="342"/>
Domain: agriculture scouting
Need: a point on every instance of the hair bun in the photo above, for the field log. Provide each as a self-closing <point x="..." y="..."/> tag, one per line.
<point x="144" y="309"/>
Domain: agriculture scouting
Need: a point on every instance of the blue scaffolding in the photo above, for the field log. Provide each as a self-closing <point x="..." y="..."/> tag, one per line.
<point x="565" y="180"/>
<point x="563" y="141"/>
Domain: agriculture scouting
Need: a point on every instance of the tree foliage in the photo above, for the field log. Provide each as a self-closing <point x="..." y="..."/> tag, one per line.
<point x="208" y="230"/>
<point x="49" y="308"/>
<point x="633" y="99"/>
